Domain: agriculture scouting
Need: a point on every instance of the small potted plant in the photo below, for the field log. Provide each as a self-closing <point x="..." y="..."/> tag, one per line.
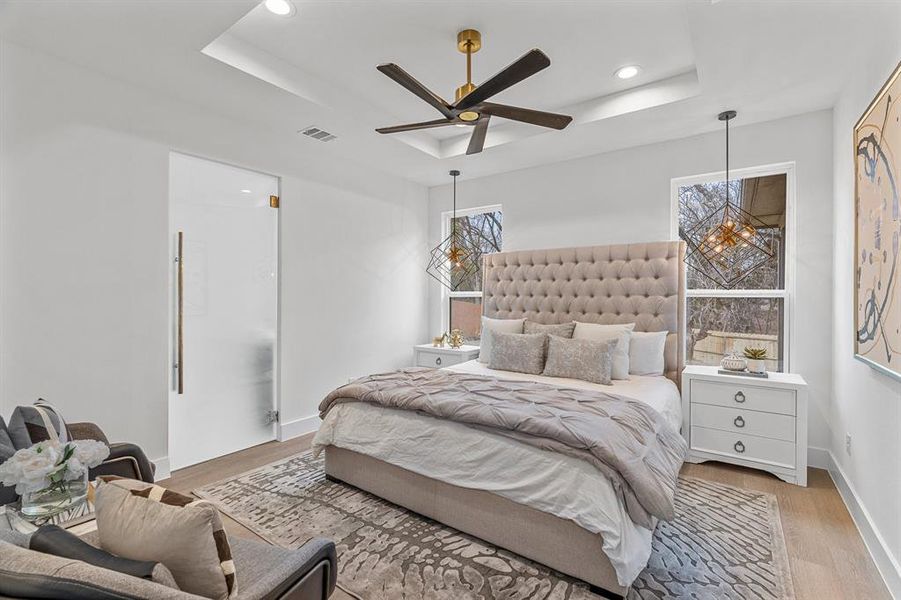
<point x="756" y="359"/>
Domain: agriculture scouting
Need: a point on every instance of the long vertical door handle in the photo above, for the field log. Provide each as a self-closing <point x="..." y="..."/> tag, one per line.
<point x="181" y="314"/>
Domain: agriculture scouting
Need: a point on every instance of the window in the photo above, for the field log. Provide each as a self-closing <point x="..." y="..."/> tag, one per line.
<point x="481" y="230"/>
<point x="754" y="308"/>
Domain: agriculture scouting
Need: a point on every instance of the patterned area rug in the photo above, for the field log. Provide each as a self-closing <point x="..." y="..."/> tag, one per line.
<point x="725" y="542"/>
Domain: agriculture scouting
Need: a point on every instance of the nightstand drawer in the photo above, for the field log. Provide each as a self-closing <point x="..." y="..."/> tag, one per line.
<point x="424" y="358"/>
<point x="747" y="397"/>
<point x="745" y="447"/>
<point x="738" y="420"/>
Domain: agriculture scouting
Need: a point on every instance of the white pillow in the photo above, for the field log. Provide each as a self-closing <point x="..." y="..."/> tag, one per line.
<point x="622" y="333"/>
<point x="501" y="325"/>
<point x="646" y="352"/>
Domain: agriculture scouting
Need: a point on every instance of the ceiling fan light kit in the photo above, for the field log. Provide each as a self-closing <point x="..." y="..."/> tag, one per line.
<point x="470" y="105"/>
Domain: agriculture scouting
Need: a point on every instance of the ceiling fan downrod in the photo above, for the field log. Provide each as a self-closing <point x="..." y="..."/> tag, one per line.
<point x="469" y="41"/>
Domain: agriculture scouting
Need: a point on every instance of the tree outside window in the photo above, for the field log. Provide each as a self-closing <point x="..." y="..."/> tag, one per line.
<point x="754" y="311"/>
<point x="480" y="232"/>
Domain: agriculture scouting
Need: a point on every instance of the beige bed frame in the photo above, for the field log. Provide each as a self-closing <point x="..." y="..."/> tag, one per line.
<point x="640" y="283"/>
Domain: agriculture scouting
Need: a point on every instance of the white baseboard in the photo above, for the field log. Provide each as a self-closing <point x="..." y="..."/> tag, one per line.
<point x="163" y="470"/>
<point x="818" y="458"/>
<point x="298" y="427"/>
<point x="886" y="563"/>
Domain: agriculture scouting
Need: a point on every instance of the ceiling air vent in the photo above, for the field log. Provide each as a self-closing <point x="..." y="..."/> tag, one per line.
<point x="317" y="134"/>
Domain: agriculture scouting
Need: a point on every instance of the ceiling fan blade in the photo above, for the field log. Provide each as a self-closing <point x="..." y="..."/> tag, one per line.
<point x="527" y="115"/>
<point x="415" y="126"/>
<point x="477" y="141"/>
<point x="527" y="65"/>
<point x="407" y="80"/>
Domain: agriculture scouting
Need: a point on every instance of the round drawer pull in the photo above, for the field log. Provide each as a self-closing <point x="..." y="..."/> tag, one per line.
<point x="438" y="361"/>
<point x="739" y="421"/>
<point x="739" y="447"/>
<point x="740" y="397"/>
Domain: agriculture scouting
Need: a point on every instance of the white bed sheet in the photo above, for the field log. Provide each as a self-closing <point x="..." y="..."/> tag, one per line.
<point x="454" y="453"/>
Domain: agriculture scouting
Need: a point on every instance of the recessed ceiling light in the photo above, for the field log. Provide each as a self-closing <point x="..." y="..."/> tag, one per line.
<point x="282" y="8"/>
<point x="245" y="191"/>
<point x="627" y="72"/>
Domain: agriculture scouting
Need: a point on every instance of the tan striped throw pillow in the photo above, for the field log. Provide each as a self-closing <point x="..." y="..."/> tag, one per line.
<point x="141" y="521"/>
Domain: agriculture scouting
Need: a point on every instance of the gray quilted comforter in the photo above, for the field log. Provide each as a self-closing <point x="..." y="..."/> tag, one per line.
<point x="627" y="440"/>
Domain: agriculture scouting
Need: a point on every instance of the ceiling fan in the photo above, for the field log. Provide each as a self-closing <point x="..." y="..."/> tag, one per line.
<point x="470" y="105"/>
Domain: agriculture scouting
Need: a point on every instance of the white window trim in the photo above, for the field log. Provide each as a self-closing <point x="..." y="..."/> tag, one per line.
<point x="446" y="294"/>
<point x="791" y="229"/>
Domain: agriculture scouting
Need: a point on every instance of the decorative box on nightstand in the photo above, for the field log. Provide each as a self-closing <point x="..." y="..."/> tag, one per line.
<point x="426" y="355"/>
<point x="755" y="422"/>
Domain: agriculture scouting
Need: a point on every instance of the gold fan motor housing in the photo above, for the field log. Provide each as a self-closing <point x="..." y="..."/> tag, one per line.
<point x="463" y="90"/>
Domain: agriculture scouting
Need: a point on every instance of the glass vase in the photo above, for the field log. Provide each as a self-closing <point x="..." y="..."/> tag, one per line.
<point x="55" y="498"/>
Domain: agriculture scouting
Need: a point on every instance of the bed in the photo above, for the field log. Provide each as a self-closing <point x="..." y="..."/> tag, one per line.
<point x="552" y="508"/>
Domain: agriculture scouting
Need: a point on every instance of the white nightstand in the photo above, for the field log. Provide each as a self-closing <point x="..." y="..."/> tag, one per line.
<point x="755" y="422"/>
<point x="426" y="355"/>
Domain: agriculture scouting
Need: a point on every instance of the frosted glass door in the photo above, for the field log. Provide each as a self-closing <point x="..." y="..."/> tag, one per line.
<point x="229" y="309"/>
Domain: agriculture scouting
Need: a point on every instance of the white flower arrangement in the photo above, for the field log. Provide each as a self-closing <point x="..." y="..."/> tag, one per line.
<point x="48" y="464"/>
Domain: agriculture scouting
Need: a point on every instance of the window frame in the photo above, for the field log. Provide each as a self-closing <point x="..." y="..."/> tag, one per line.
<point x="447" y="294"/>
<point x="787" y="292"/>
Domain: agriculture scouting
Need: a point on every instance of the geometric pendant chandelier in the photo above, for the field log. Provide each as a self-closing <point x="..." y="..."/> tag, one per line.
<point x="450" y="262"/>
<point x="727" y="245"/>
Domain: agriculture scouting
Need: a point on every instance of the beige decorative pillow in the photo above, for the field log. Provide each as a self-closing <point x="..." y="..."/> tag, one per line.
<point x="520" y="352"/>
<point x="621" y="332"/>
<point x="140" y="521"/>
<point x="646" y="352"/>
<point x="562" y="329"/>
<point x="489" y="328"/>
<point x="589" y="360"/>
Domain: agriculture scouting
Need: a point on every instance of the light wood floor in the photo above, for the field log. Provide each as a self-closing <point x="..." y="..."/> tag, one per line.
<point x="827" y="555"/>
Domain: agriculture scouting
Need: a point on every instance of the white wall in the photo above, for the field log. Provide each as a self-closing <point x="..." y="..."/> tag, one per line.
<point x="624" y="196"/>
<point x="866" y="404"/>
<point x="84" y="252"/>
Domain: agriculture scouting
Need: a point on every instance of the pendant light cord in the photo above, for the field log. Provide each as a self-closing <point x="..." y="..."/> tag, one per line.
<point x="727" y="163"/>
<point x="455" y="195"/>
<point x="453" y="233"/>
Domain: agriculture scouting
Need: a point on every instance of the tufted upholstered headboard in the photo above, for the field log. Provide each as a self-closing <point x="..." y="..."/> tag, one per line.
<point x="621" y="283"/>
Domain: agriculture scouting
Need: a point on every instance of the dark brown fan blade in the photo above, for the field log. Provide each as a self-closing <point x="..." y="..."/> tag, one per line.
<point x="477" y="141"/>
<point x="415" y="126"/>
<point x="527" y="115"/>
<point x="407" y="80"/>
<point x="526" y="66"/>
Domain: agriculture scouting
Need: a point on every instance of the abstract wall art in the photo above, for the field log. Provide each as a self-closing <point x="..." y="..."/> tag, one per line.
<point x="877" y="293"/>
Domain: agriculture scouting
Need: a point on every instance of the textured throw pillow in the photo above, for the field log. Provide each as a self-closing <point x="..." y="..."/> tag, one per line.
<point x="588" y="360"/>
<point x="147" y="522"/>
<point x="620" y="332"/>
<point x="646" y="352"/>
<point x="562" y="330"/>
<point x="490" y="326"/>
<point x="520" y="352"/>
<point x="7" y="449"/>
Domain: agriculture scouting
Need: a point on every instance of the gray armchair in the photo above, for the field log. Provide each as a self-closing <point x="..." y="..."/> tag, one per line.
<point x="264" y="572"/>
<point x="125" y="459"/>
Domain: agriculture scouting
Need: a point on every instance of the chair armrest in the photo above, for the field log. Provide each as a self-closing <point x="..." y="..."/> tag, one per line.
<point x="317" y="577"/>
<point x="269" y="572"/>
<point x="126" y="460"/>
<point x="87" y="431"/>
